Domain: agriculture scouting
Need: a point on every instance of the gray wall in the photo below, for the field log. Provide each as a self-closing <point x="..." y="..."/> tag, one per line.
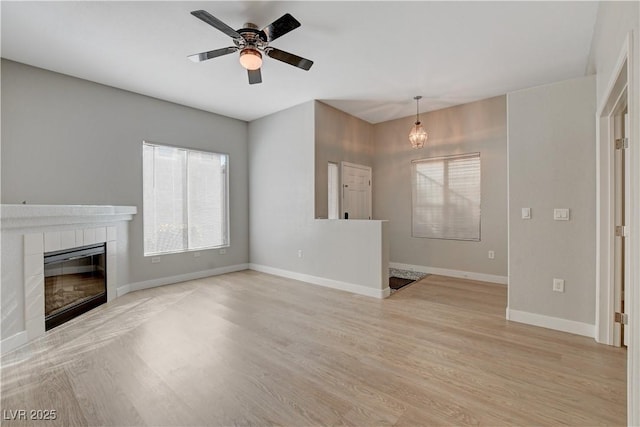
<point x="339" y="137"/>
<point x="552" y="165"/>
<point x="282" y="181"/>
<point x="475" y="127"/>
<point x="281" y="185"/>
<point x="71" y="141"/>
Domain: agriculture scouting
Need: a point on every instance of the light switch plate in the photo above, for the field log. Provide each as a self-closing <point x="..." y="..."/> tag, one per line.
<point x="526" y="213"/>
<point x="561" y="214"/>
<point x="558" y="285"/>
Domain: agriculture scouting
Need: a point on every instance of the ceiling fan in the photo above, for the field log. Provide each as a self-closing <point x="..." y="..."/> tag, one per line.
<point x="251" y="41"/>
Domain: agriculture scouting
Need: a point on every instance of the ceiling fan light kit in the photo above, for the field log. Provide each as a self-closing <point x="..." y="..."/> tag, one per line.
<point x="418" y="135"/>
<point x="251" y="59"/>
<point x="252" y="42"/>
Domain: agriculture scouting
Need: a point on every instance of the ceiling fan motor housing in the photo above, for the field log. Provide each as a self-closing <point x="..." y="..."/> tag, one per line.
<point x="253" y="40"/>
<point x="251" y="37"/>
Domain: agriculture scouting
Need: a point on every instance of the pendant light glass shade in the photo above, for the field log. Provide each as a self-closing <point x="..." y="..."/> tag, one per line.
<point x="418" y="136"/>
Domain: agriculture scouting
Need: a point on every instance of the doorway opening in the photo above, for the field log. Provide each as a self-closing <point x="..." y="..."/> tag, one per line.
<point x="356" y="191"/>
<point x="333" y="191"/>
<point x="613" y="186"/>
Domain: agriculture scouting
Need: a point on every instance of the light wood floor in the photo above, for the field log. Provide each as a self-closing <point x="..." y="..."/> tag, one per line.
<point x="253" y="349"/>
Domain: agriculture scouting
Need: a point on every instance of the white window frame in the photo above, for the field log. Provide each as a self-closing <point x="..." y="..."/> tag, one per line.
<point x="225" y="210"/>
<point x="446" y="233"/>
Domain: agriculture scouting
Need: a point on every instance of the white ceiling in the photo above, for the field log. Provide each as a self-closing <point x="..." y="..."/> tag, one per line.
<point x="371" y="58"/>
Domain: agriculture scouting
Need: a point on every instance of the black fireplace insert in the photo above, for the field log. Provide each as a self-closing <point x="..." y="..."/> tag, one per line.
<point x="75" y="281"/>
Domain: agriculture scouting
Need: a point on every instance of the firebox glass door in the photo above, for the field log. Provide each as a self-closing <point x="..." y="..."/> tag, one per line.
<point x="73" y="280"/>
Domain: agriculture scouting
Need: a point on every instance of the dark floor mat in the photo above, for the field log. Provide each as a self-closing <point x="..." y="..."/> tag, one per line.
<point x="398" y="282"/>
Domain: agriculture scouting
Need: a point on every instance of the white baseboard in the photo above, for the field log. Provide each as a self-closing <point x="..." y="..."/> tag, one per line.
<point x="13" y="342"/>
<point x="137" y="286"/>
<point x="122" y="290"/>
<point x="556" y="323"/>
<point x="321" y="281"/>
<point x="502" y="280"/>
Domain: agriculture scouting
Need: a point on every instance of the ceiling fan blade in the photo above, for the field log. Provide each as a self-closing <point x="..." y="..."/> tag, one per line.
<point x="289" y="58"/>
<point x="280" y="27"/>
<point x="216" y="23"/>
<point x="255" y="76"/>
<point x="203" y="56"/>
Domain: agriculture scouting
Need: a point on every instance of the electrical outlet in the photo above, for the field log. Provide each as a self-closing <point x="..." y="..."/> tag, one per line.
<point x="558" y="285"/>
<point x="299" y="253"/>
<point x="561" y="214"/>
<point x="492" y="254"/>
<point x="155" y="260"/>
<point x="223" y="251"/>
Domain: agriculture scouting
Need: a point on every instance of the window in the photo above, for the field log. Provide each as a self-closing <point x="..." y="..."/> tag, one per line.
<point x="333" y="191"/>
<point x="446" y="197"/>
<point x="185" y="200"/>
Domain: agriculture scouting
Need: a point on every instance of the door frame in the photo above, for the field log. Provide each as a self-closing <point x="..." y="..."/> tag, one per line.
<point x="354" y="165"/>
<point x="623" y="76"/>
<point x="620" y="197"/>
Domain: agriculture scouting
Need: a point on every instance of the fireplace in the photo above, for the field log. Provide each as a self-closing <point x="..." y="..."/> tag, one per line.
<point x="75" y="281"/>
<point x="30" y="231"/>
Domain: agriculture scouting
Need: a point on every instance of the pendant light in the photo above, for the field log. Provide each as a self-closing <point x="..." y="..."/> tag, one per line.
<point x="418" y="136"/>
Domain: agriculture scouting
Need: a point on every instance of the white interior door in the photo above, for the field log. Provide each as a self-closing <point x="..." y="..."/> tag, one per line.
<point x="356" y="191"/>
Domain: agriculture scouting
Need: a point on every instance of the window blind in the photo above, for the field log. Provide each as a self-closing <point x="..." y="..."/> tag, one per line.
<point x="184" y="199"/>
<point x="446" y="197"/>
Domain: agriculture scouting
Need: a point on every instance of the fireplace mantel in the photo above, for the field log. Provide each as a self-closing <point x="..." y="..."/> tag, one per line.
<point x="35" y="216"/>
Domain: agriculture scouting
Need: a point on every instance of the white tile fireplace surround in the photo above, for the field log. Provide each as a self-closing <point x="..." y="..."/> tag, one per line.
<point x="28" y="231"/>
